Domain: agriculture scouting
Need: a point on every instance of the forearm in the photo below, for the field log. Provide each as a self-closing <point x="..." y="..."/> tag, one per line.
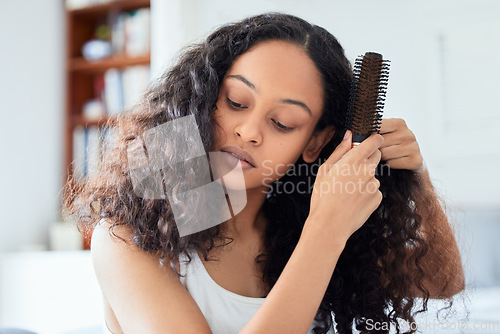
<point x="442" y="263"/>
<point x="294" y="300"/>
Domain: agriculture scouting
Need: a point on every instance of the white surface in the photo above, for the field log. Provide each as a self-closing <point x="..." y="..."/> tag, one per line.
<point x="31" y="118"/>
<point x="49" y="292"/>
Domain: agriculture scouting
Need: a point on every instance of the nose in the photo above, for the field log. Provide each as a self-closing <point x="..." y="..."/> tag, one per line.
<point x="249" y="130"/>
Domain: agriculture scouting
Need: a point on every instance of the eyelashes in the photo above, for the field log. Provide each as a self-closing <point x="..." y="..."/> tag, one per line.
<point x="281" y="126"/>
<point x="238" y="106"/>
<point x="235" y="104"/>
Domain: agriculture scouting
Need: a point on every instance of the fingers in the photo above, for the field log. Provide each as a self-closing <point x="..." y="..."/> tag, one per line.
<point x="370" y="145"/>
<point x="411" y="163"/>
<point x="392" y="138"/>
<point x="374" y="159"/>
<point x="399" y="138"/>
<point x="364" y="150"/>
<point x="373" y="187"/>
<point x="391" y="125"/>
<point x="395" y="152"/>
<point x="339" y="152"/>
<point x="403" y="156"/>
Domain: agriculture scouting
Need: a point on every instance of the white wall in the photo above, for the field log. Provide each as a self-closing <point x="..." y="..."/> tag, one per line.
<point x="462" y="157"/>
<point x="31" y="111"/>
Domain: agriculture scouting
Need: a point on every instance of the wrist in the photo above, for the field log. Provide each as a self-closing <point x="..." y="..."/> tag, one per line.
<point x="322" y="232"/>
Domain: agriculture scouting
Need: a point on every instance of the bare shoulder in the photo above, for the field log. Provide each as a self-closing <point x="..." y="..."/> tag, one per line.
<point x="102" y="235"/>
<point x="144" y="295"/>
<point x="108" y="243"/>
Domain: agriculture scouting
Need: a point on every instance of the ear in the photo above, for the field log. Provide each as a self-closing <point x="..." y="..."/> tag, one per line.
<point x="316" y="143"/>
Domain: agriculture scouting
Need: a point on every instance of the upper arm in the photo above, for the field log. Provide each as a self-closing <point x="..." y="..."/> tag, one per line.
<point x="145" y="296"/>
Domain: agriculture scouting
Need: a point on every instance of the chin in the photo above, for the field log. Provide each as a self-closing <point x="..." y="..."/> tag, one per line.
<point x="233" y="181"/>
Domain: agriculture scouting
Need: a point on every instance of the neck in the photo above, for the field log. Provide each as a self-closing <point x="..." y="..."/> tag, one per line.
<point x="250" y="222"/>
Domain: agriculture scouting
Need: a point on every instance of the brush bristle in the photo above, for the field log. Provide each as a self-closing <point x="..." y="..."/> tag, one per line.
<point x="368" y="91"/>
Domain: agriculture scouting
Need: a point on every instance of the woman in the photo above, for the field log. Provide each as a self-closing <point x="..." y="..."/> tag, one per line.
<point x="360" y="239"/>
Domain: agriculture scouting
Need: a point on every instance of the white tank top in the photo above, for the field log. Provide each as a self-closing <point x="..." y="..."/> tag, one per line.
<point x="226" y="312"/>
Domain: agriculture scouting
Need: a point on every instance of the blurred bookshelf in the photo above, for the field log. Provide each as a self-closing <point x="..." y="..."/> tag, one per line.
<point x="107" y="70"/>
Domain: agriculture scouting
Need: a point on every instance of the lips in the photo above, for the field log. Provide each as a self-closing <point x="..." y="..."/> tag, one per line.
<point x="239" y="153"/>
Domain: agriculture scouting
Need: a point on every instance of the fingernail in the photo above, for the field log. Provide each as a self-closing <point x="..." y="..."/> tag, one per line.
<point x="347" y="135"/>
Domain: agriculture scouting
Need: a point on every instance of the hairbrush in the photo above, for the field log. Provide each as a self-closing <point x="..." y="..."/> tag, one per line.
<point x="367" y="98"/>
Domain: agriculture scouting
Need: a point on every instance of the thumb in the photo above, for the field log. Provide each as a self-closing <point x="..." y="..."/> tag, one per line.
<point x="344" y="147"/>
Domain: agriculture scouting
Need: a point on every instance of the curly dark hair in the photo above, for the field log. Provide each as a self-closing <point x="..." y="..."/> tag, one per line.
<point x="374" y="272"/>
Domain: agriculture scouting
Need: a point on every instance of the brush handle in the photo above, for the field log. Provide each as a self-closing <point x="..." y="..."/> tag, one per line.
<point x="358" y="138"/>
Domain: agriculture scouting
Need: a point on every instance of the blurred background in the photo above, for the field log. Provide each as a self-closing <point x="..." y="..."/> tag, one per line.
<point x="68" y="66"/>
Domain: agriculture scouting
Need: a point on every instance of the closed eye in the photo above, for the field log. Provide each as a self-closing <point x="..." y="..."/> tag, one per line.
<point x="282" y="127"/>
<point x="235" y="105"/>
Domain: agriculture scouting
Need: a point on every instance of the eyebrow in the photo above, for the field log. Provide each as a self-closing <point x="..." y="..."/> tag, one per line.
<point x="242" y="79"/>
<point x="297" y="103"/>
<point x="288" y="101"/>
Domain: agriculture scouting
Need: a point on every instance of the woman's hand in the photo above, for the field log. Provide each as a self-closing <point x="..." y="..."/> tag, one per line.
<point x="346" y="191"/>
<point x="400" y="149"/>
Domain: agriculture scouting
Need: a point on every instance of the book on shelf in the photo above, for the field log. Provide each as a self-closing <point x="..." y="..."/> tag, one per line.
<point x="89" y="147"/>
<point x="130" y="32"/>
<point x="117" y="26"/>
<point x="113" y="91"/>
<point x="135" y="80"/>
<point x="116" y="90"/>
<point x="137" y="32"/>
<point x="79" y="146"/>
<point x="123" y="89"/>
<point x="92" y="150"/>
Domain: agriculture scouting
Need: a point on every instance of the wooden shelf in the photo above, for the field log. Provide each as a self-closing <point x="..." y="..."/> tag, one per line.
<point x="80" y="120"/>
<point x="85" y="79"/>
<point x="82" y="65"/>
<point x="99" y="10"/>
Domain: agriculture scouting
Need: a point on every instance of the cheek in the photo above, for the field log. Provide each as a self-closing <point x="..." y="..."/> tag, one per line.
<point x="222" y="126"/>
<point x="284" y="156"/>
<point x="282" y="169"/>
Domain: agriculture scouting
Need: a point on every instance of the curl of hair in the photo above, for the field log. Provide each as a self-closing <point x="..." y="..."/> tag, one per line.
<point x="372" y="276"/>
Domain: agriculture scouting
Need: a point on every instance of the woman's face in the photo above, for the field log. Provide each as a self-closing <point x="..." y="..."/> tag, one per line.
<point x="269" y="103"/>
